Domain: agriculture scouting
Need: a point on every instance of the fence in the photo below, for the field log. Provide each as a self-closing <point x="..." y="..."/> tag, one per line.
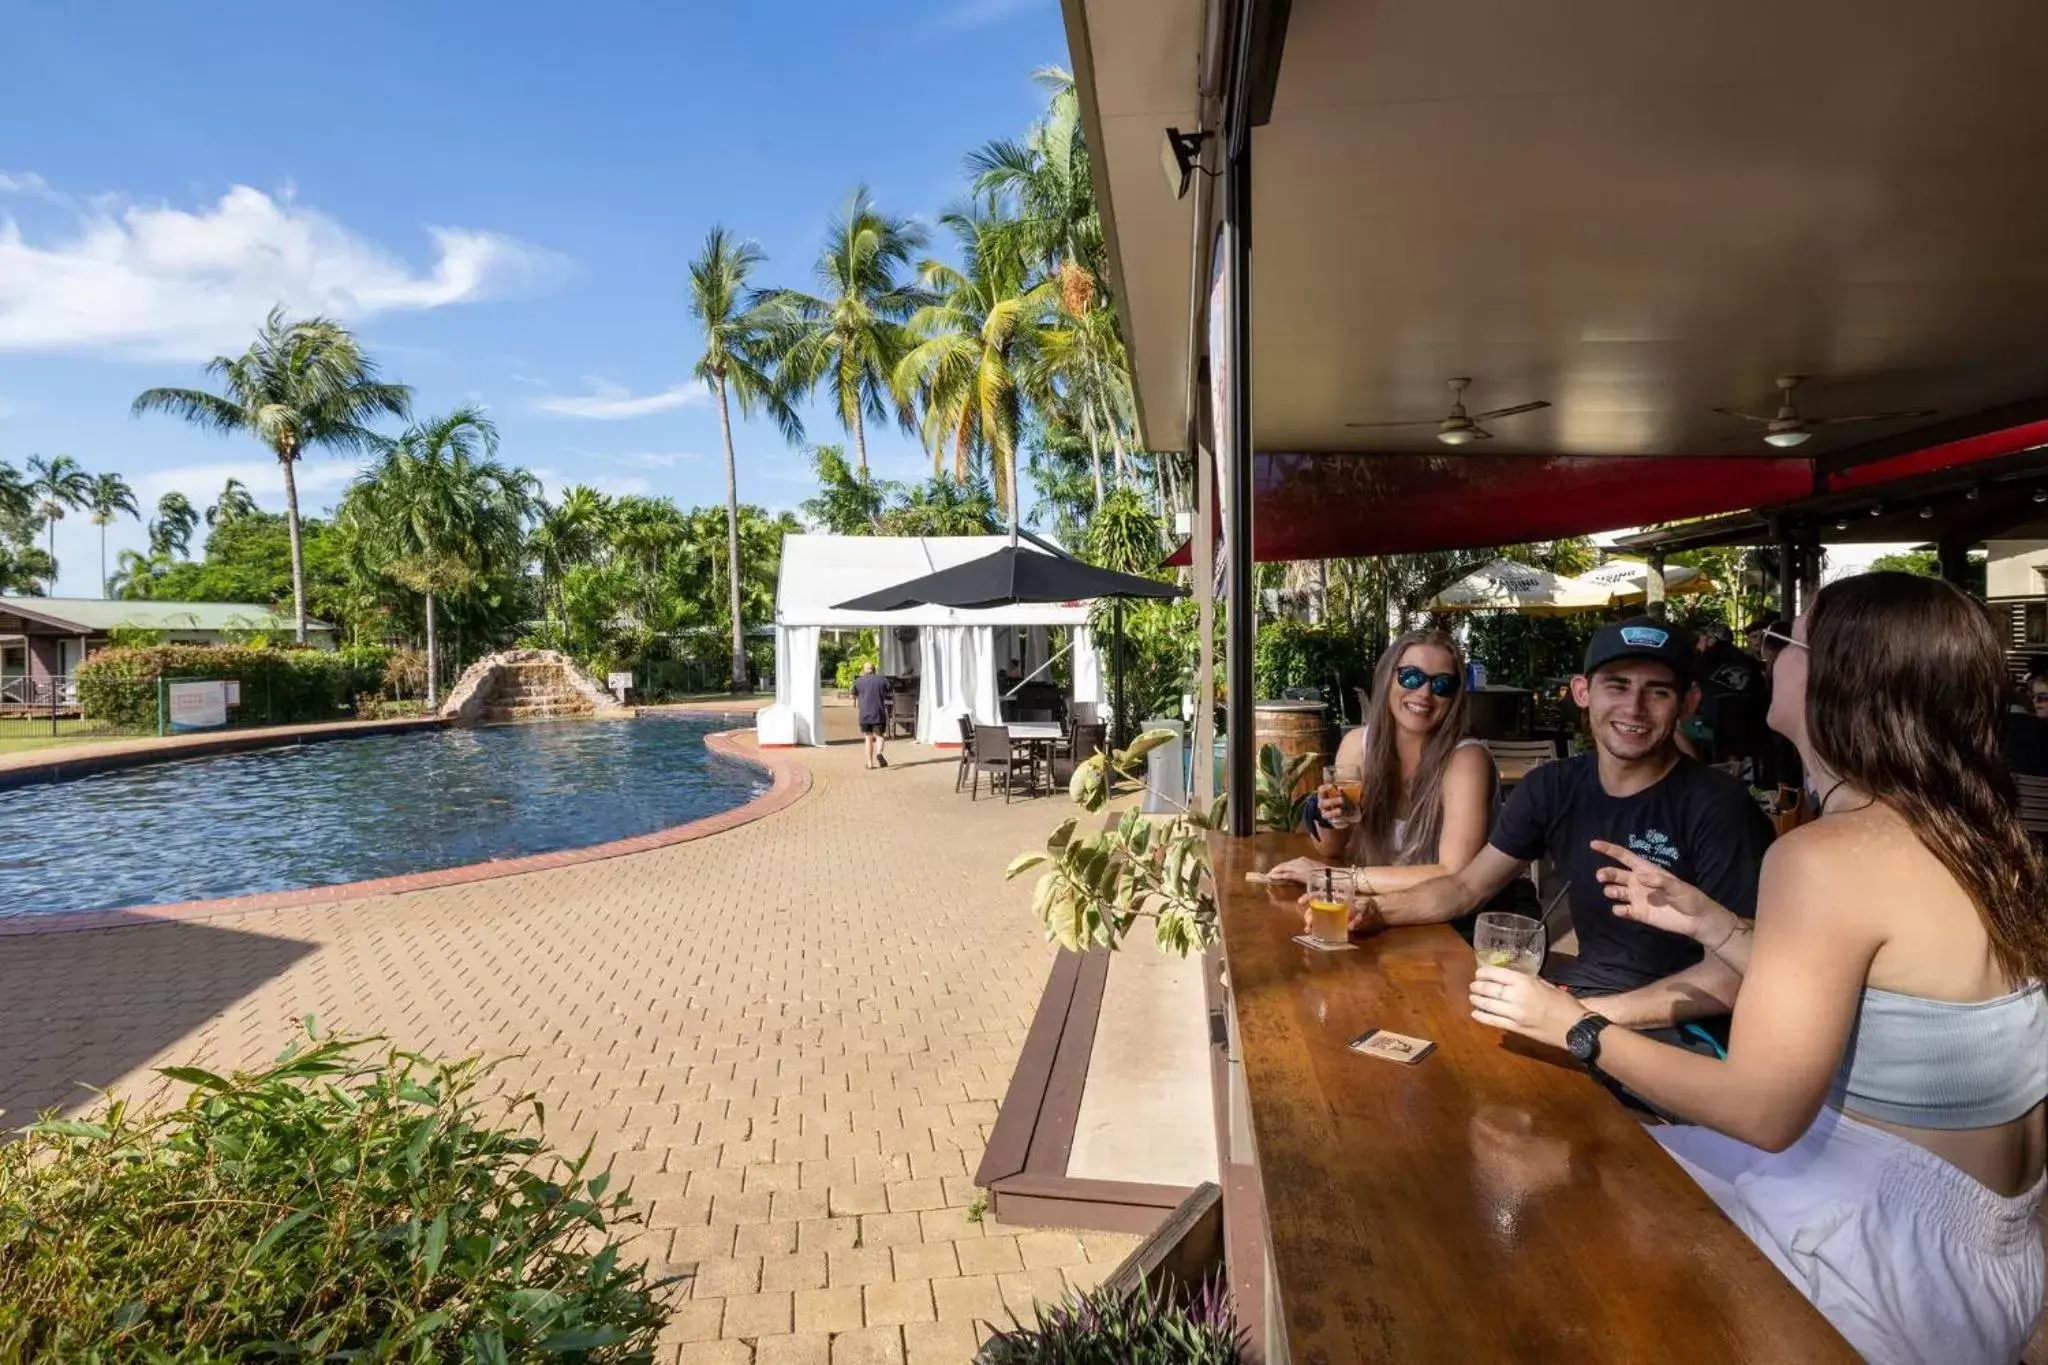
<point x="46" y="710"/>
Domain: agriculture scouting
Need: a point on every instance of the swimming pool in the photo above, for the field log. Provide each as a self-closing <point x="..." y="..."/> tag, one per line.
<point x="352" y="809"/>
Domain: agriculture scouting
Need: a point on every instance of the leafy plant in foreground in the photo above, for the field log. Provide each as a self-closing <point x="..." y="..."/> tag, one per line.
<point x="1094" y="889"/>
<point x="339" y="1205"/>
<point x="1141" y="1327"/>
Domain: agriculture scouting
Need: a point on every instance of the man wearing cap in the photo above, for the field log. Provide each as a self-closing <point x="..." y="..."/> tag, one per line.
<point x="1635" y="790"/>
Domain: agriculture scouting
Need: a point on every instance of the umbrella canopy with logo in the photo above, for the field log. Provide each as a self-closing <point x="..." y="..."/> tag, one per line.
<point x="1629" y="580"/>
<point x="1018" y="573"/>
<point x="1505" y="585"/>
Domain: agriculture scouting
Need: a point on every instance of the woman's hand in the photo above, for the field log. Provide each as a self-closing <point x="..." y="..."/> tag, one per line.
<point x="1301" y="870"/>
<point x="1524" y="1004"/>
<point x="1646" y="893"/>
<point x="1335" y="811"/>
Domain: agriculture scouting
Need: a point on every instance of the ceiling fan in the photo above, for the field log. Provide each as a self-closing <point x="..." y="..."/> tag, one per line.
<point x="1460" y="427"/>
<point x="1789" y="429"/>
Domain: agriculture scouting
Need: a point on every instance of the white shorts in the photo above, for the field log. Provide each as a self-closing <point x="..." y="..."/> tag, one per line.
<point x="1912" y="1260"/>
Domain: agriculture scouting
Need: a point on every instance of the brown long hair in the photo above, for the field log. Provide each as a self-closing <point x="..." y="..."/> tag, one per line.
<point x="1905" y="696"/>
<point x="1421" y="801"/>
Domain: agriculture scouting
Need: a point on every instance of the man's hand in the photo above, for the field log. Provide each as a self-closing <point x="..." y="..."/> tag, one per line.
<point x="1646" y="893"/>
<point x="1524" y="1004"/>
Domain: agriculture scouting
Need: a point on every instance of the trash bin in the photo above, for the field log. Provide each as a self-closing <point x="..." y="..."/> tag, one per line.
<point x="1165" y="770"/>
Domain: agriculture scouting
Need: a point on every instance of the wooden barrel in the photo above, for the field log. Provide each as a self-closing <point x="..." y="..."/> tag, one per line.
<point x="1294" y="727"/>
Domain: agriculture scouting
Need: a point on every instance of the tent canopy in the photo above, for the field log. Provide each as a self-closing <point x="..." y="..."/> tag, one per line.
<point x="1505" y="585"/>
<point x="1014" y="574"/>
<point x="820" y="570"/>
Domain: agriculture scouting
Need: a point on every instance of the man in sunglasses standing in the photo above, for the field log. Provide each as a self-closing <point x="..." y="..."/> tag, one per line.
<point x="1634" y="791"/>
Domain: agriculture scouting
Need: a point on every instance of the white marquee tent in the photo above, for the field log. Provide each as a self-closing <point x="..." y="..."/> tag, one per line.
<point x="956" y="652"/>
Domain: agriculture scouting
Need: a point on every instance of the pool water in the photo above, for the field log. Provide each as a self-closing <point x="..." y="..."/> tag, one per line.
<point x="351" y="809"/>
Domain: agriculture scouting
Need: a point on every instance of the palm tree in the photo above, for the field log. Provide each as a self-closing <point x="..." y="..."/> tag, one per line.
<point x="979" y="339"/>
<point x="849" y="337"/>
<point x="15" y="498"/>
<point x="56" y="484"/>
<point x="1046" y="177"/>
<point x="438" y="511"/>
<point x="235" y="503"/>
<point x="1083" y="372"/>
<point x="849" y="503"/>
<point x="135" y="573"/>
<point x="170" y="535"/>
<point x="299" y="385"/>
<point x="108" y="498"/>
<point x="739" y="338"/>
<point x="944" y="507"/>
<point x="570" y="533"/>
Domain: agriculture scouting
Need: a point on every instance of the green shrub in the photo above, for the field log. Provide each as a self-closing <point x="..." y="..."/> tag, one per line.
<point x="279" y="686"/>
<point x="863" y="651"/>
<point x="1143" y="1327"/>
<point x="1293" y="653"/>
<point x="340" y="1205"/>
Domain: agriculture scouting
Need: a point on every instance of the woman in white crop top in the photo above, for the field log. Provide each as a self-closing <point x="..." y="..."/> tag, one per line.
<point x="1427" y="801"/>
<point x="1896" y="952"/>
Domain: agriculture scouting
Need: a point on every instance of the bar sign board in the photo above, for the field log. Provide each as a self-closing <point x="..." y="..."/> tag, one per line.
<point x="198" y="706"/>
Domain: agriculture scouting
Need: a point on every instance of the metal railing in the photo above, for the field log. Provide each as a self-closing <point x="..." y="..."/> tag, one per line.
<point x="46" y="708"/>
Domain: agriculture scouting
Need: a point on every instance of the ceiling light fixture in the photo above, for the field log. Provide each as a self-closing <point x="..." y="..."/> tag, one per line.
<point x="1877" y="509"/>
<point x="2041" y="495"/>
<point x="1785" y="440"/>
<point x="1458" y="436"/>
<point x="1927" y="514"/>
<point x="1842" y="524"/>
<point x="1974" y="493"/>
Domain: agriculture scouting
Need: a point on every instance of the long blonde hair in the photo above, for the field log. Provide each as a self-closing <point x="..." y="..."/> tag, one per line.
<point x="1419" y="801"/>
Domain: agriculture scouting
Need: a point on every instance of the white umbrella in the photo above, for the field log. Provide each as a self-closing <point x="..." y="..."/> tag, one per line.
<point x="1504" y="585"/>
<point x="1629" y="580"/>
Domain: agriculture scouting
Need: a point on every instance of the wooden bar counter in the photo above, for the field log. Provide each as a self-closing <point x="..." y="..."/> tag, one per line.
<point x="1491" y="1203"/>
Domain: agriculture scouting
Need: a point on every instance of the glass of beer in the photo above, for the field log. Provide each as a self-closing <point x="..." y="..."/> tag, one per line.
<point x="1329" y="906"/>
<point x="1347" y="782"/>
<point x="1511" y="941"/>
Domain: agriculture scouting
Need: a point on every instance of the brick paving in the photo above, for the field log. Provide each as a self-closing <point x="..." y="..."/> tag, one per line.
<point x="792" y="1035"/>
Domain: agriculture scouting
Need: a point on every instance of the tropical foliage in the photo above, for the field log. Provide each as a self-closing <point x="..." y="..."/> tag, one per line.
<point x="347" y="1202"/>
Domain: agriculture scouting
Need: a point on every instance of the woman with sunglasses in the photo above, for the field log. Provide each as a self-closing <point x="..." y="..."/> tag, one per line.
<point x="1876" y="1127"/>
<point x="1428" y="796"/>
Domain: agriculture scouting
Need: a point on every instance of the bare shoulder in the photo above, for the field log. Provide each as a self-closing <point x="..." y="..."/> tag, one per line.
<point x="1833" y="869"/>
<point x="1351" y="748"/>
<point x="1470" y="763"/>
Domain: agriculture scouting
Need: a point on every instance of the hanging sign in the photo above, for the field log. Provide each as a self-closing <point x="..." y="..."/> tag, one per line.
<point x="198" y="706"/>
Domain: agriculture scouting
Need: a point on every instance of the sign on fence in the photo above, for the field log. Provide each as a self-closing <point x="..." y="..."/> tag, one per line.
<point x="233" y="688"/>
<point x="619" y="683"/>
<point x="198" y="706"/>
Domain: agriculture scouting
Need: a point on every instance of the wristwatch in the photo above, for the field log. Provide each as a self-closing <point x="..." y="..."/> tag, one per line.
<point x="1583" y="1038"/>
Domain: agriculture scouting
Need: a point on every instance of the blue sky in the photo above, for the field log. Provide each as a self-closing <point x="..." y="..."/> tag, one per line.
<point x="502" y="199"/>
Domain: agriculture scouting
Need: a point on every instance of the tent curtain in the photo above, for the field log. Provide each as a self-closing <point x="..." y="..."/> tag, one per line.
<point x="938" y="710"/>
<point x="899" y="659"/>
<point x="797" y="717"/>
<point x="1088" y="683"/>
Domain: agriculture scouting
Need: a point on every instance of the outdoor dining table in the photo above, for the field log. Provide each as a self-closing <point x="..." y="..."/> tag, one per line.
<point x="1490" y="1202"/>
<point x="1037" y="734"/>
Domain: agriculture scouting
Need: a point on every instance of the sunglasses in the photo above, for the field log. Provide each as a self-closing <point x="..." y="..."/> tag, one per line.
<point x="1782" y="638"/>
<point x="1440" y="684"/>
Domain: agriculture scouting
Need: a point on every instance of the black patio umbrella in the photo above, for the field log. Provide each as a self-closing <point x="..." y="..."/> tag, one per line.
<point x="1014" y="574"/>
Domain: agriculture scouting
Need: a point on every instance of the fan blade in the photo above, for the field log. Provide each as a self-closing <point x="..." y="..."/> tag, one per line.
<point x="1745" y="416"/>
<point x="1510" y="412"/>
<point x="1480" y="433"/>
<point x="1419" y="422"/>
<point x="1879" y="416"/>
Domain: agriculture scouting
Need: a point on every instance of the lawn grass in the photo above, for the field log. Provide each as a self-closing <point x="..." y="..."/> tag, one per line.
<point x="20" y="737"/>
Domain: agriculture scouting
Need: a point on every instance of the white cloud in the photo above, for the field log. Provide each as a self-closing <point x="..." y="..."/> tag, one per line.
<point x="653" y="459"/>
<point x="553" y="483"/>
<point x="161" y="281"/>
<point x="609" y="402"/>
<point x="315" y="475"/>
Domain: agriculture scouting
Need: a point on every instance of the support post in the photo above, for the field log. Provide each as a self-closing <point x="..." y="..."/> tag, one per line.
<point x="1119" y="725"/>
<point x="1203" y="731"/>
<point x="1241" y="627"/>
<point x="1788" y="575"/>
<point x="1954" y="554"/>
<point x="1653" y="585"/>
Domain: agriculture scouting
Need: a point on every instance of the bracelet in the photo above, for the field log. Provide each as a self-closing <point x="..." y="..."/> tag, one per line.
<point x="1729" y="937"/>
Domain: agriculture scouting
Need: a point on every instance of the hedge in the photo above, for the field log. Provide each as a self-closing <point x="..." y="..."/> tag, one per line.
<point x="279" y="686"/>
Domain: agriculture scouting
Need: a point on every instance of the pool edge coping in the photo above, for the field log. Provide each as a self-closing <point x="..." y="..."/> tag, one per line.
<point x="788" y="783"/>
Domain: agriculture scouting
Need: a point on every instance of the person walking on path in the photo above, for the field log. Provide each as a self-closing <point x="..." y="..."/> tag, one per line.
<point x="871" y="700"/>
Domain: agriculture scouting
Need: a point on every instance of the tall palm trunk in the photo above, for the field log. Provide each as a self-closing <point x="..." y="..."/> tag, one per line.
<point x="286" y="457"/>
<point x="1094" y="452"/>
<point x="103" y="561"/>
<point x="50" y="516"/>
<point x="860" y="439"/>
<point x="433" y="661"/>
<point x="732" y="543"/>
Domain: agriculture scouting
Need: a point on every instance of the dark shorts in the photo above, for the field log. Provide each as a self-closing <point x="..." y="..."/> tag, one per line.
<point x="872" y="727"/>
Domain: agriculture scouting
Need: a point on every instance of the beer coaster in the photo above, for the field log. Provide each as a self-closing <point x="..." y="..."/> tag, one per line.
<point x="1311" y="941"/>
<point x="1394" y="1047"/>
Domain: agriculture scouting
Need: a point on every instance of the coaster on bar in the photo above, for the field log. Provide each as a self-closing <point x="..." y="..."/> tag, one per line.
<point x="1395" y="1047"/>
<point x="1311" y="941"/>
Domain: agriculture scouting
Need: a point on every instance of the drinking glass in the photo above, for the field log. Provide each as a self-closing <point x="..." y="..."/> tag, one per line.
<point x="1330" y="895"/>
<point x="1511" y="941"/>
<point x="1347" y="782"/>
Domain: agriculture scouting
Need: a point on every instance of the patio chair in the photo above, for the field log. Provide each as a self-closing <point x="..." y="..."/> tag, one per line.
<point x="902" y="715"/>
<point x="966" y="752"/>
<point x="993" y="755"/>
<point x="2033" y="805"/>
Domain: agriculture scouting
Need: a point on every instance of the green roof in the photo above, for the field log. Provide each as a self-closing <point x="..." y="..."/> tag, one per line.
<point x="91" y="615"/>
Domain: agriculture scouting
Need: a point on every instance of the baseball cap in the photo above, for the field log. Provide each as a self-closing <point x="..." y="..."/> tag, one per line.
<point x="1643" y="637"/>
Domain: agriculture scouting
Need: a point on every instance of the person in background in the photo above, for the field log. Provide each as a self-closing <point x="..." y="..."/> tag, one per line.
<point x="2023" y="729"/>
<point x="1876" y="1127"/>
<point x="2037" y="685"/>
<point x="1427" y="802"/>
<point x="1635" y="790"/>
<point x="871" y="704"/>
<point x="1757" y="641"/>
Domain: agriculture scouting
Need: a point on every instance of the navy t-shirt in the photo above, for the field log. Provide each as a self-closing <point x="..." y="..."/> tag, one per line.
<point x="1699" y="823"/>
<point x="870" y="694"/>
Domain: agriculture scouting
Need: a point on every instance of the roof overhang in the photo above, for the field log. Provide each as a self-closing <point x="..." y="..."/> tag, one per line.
<point x="1638" y="213"/>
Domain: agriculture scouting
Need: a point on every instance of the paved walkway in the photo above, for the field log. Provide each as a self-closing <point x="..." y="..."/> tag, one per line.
<point x="793" y="1035"/>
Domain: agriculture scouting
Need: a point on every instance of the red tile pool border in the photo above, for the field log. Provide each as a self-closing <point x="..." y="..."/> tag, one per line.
<point x="789" y="782"/>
